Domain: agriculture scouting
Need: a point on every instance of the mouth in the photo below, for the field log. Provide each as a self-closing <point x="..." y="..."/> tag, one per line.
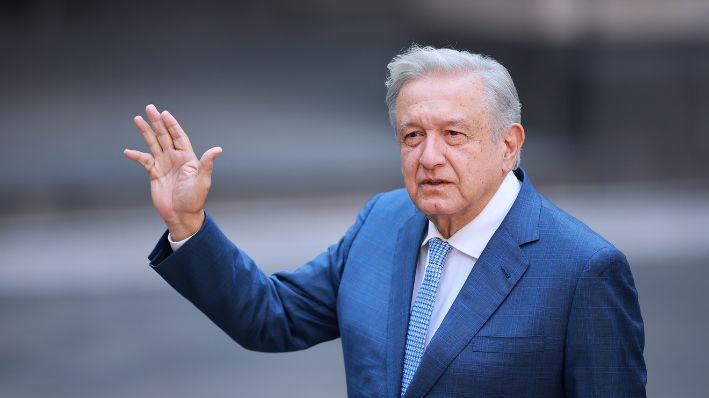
<point x="434" y="183"/>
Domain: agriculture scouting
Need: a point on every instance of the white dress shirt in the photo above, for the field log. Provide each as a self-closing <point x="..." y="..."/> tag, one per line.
<point x="176" y="245"/>
<point x="467" y="245"/>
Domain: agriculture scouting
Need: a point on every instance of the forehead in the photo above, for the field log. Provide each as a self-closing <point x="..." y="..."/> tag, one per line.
<point x="441" y="99"/>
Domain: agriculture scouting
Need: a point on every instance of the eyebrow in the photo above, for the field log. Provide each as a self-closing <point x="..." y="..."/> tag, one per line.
<point x="458" y="122"/>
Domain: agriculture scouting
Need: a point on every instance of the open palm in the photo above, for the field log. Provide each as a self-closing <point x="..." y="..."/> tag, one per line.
<point x="179" y="182"/>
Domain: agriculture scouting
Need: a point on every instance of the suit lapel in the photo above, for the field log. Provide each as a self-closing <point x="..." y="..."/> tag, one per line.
<point x="495" y="273"/>
<point x="402" y="284"/>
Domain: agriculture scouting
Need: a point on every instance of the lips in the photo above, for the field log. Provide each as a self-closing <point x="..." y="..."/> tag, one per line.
<point x="433" y="182"/>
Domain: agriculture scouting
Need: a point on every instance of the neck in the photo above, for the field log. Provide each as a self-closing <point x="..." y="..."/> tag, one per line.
<point x="449" y="225"/>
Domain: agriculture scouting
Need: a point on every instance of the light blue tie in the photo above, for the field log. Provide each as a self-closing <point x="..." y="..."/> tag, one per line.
<point x="422" y="309"/>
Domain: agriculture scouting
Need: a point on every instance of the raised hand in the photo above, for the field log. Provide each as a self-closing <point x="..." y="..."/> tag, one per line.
<point x="179" y="182"/>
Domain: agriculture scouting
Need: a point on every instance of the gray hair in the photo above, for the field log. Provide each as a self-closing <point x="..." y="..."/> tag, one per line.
<point x="499" y="90"/>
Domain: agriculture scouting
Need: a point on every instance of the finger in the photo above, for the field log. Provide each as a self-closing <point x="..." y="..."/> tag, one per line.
<point x="148" y="135"/>
<point x="143" y="158"/>
<point x="179" y="137"/>
<point x="160" y="131"/>
<point x="207" y="160"/>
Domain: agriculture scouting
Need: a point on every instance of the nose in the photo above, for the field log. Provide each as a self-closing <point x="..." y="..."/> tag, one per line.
<point x="433" y="152"/>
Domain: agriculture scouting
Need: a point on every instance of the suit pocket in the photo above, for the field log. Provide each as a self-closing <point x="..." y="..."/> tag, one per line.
<point x="508" y="345"/>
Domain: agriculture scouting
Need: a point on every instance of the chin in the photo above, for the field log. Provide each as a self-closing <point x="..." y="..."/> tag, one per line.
<point x="431" y="207"/>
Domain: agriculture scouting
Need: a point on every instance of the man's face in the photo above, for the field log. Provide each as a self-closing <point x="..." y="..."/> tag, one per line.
<point x="450" y="164"/>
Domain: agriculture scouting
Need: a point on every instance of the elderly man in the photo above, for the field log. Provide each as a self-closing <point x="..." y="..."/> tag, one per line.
<point x="466" y="283"/>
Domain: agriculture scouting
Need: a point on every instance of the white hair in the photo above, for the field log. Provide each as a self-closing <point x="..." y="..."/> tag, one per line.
<point x="499" y="90"/>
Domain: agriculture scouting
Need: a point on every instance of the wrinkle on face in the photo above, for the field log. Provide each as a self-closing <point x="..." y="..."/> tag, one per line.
<point x="448" y="118"/>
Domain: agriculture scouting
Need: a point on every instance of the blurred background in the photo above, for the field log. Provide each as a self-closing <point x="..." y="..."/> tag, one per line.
<point x="614" y="105"/>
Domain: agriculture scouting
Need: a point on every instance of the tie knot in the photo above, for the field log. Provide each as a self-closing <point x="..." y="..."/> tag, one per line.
<point x="437" y="251"/>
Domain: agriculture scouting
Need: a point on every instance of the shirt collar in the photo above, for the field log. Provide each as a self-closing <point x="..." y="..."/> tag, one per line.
<point x="474" y="236"/>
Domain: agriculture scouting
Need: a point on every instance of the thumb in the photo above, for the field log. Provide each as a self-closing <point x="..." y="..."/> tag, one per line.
<point x="207" y="160"/>
<point x="144" y="159"/>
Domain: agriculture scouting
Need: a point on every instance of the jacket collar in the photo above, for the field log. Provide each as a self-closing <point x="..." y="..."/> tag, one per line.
<point x="496" y="272"/>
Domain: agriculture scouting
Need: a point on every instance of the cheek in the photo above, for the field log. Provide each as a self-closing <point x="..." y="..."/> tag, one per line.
<point x="409" y="166"/>
<point x="466" y="165"/>
<point x="471" y="171"/>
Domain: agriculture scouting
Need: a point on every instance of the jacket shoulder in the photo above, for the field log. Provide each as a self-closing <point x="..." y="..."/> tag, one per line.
<point x="387" y="211"/>
<point x="565" y="232"/>
<point x="395" y="201"/>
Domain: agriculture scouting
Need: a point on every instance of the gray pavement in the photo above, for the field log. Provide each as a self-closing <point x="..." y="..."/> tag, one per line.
<point x="82" y="314"/>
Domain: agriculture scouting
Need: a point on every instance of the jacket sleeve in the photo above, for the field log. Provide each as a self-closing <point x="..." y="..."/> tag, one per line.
<point x="605" y="338"/>
<point x="286" y="311"/>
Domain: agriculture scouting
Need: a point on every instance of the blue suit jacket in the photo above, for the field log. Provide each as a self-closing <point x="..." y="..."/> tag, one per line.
<point x="549" y="310"/>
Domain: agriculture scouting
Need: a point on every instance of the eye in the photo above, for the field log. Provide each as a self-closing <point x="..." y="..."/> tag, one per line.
<point x="412" y="138"/>
<point x="455" y="137"/>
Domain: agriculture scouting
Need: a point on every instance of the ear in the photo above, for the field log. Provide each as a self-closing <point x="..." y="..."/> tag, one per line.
<point x="512" y="139"/>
